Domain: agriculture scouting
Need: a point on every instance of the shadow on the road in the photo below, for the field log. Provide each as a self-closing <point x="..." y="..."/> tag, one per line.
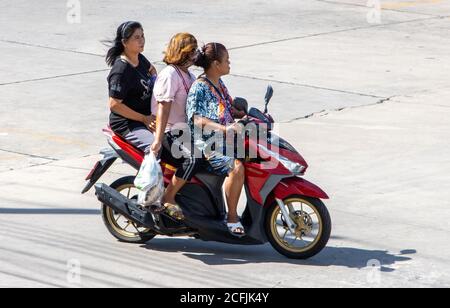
<point x="213" y="253"/>
<point x="15" y="211"/>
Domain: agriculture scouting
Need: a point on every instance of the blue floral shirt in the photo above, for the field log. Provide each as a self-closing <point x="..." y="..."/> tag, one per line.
<point x="205" y="101"/>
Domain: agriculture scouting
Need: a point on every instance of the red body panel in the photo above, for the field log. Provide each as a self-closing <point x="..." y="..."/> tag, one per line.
<point x="129" y="149"/>
<point x="255" y="179"/>
<point x="296" y="186"/>
<point x="257" y="174"/>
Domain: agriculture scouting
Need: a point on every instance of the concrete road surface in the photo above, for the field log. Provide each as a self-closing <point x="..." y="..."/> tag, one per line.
<point x="363" y="93"/>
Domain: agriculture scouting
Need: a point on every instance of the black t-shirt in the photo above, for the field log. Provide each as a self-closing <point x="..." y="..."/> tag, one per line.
<point x="133" y="85"/>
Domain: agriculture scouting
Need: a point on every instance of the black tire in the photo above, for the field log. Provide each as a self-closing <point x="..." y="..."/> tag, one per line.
<point x="138" y="238"/>
<point x="321" y="239"/>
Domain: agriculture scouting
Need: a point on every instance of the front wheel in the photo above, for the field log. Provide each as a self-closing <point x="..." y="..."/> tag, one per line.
<point x="312" y="232"/>
<point x="119" y="226"/>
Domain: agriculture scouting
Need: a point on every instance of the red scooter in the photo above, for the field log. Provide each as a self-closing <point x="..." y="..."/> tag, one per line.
<point x="282" y="207"/>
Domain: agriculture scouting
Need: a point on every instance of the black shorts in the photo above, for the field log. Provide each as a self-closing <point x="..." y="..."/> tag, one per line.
<point x="188" y="165"/>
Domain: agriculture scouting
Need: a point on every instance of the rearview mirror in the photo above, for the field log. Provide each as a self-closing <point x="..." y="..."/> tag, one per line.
<point x="268" y="97"/>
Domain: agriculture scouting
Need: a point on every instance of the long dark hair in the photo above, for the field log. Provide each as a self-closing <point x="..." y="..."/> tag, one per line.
<point x="210" y="53"/>
<point x="124" y="32"/>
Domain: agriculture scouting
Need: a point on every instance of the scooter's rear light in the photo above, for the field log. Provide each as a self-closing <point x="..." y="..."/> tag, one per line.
<point x="108" y="132"/>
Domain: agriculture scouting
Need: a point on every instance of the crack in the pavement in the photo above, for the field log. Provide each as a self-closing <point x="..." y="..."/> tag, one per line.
<point x="52" y="161"/>
<point x="30" y="166"/>
<point x="53" y="77"/>
<point x="334" y="32"/>
<point x="325" y="112"/>
<point x="383" y="9"/>
<point x="30" y="155"/>
<point x="88" y="169"/>
<point x="66" y="50"/>
<point x="51" y="48"/>
<point x="296" y="84"/>
<point x="304" y="85"/>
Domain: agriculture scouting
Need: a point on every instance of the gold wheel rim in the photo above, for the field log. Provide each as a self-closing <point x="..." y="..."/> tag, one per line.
<point x="113" y="221"/>
<point x="280" y="240"/>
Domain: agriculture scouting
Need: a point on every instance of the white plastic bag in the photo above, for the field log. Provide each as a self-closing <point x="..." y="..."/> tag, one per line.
<point x="150" y="181"/>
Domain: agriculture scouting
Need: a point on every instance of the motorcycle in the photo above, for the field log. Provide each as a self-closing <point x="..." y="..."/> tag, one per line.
<point x="282" y="207"/>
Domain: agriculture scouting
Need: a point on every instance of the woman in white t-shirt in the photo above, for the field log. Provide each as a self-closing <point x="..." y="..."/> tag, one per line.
<point x="169" y="104"/>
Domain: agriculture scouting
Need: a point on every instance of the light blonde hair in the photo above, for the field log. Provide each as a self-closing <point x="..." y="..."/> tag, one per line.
<point x="180" y="48"/>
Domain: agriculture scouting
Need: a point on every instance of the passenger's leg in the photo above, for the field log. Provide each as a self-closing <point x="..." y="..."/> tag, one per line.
<point x="172" y="189"/>
<point x="187" y="167"/>
<point x="141" y="138"/>
<point x="233" y="189"/>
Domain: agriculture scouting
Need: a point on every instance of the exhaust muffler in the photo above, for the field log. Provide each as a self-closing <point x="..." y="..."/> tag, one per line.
<point x="124" y="206"/>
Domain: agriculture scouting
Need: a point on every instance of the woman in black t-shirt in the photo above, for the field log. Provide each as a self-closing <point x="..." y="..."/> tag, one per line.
<point x="131" y="83"/>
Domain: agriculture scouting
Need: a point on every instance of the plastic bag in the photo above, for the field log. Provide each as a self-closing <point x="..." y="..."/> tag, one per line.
<point x="150" y="181"/>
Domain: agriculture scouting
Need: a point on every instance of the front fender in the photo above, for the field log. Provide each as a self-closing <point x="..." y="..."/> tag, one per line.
<point x="297" y="186"/>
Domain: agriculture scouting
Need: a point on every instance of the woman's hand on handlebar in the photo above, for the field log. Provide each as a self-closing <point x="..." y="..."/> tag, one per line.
<point x="244" y="121"/>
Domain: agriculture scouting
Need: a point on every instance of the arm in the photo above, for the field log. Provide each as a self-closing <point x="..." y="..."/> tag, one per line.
<point x="162" y="118"/>
<point x="152" y="70"/>
<point x="202" y="122"/>
<point x="117" y="106"/>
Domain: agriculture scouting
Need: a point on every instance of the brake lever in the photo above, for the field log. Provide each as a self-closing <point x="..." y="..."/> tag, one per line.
<point x="244" y="121"/>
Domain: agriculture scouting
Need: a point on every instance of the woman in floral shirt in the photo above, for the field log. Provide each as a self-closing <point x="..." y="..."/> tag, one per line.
<point x="210" y="117"/>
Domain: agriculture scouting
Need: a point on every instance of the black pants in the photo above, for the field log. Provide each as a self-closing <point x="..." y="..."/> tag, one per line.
<point x="187" y="166"/>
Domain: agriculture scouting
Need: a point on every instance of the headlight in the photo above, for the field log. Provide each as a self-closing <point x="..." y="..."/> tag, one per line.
<point x="295" y="168"/>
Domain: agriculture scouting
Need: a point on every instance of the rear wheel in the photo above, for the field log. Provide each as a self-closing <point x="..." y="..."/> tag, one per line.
<point x="118" y="225"/>
<point x="312" y="232"/>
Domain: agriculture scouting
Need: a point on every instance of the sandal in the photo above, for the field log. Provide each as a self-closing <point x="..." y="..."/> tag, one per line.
<point x="174" y="211"/>
<point x="236" y="229"/>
